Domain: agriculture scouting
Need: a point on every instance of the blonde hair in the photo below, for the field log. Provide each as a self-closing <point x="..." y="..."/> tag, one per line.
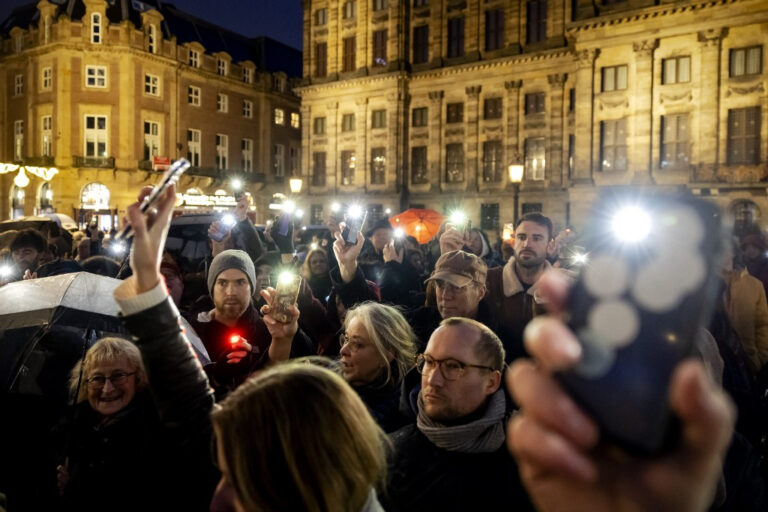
<point x="298" y="437"/>
<point x="106" y="351"/>
<point x="305" y="271"/>
<point x="389" y="332"/>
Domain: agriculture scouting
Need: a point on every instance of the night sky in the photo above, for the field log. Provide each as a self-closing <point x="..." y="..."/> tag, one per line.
<point x="279" y="19"/>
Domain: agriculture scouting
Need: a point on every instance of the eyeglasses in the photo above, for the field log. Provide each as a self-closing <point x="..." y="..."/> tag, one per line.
<point x="117" y="379"/>
<point x="354" y="345"/>
<point x="450" y="369"/>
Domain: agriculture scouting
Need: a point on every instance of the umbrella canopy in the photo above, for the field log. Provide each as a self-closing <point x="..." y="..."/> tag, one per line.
<point x="419" y="223"/>
<point x="78" y="303"/>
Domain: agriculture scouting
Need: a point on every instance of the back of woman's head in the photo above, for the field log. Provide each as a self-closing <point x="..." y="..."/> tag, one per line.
<point x="297" y="437"/>
<point x="107" y="351"/>
<point x="390" y="333"/>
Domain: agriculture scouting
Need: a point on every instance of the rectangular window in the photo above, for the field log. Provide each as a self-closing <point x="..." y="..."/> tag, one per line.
<point x="18" y="85"/>
<point x="456" y="37"/>
<point x="193" y="147"/>
<point x="96" y="28"/>
<point x="18" y="140"/>
<point x="151" y="139"/>
<point x="420" y="3"/>
<point x="321" y="60"/>
<point x="193" y="58"/>
<point x="193" y="95"/>
<point x="222" y="103"/>
<point x="493" y="171"/>
<point x="295" y="120"/>
<point x="96" y="76"/>
<point x="222" y="151"/>
<point x="321" y="16"/>
<point x="489" y="216"/>
<point x="350" y="53"/>
<point x="535" y="103"/>
<point x="151" y="85"/>
<point x="494" y="29"/>
<point x="318" y="127"/>
<point x="348" y="123"/>
<point x="246" y="148"/>
<point x="572" y="99"/>
<point x="535" y="158"/>
<point x="536" y="28"/>
<point x="613" y="145"/>
<point x="420" y="116"/>
<point x="420" y="44"/>
<point x="95" y="136"/>
<point x="378" y="166"/>
<point x="151" y="39"/>
<point x="675" y="152"/>
<point x="316" y="215"/>
<point x="47" y="78"/>
<point x="379" y="119"/>
<point x="744" y="136"/>
<point x="278" y="160"/>
<point x="746" y="61"/>
<point x="492" y="108"/>
<point x="454" y="163"/>
<point x="379" y="5"/>
<point x="348" y="165"/>
<point x="350" y="9"/>
<point x="46" y="132"/>
<point x="454" y="113"/>
<point x="676" y="70"/>
<point x="294" y="156"/>
<point x="278" y="83"/>
<point x="221" y="67"/>
<point x="248" y="109"/>
<point x="380" y="48"/>
<point x="419" y="165"/>
<point x="614" y="78"/>
<point x="279" y="116"/>
<point x="318" y="169"/>
<point x="247" y="75"/>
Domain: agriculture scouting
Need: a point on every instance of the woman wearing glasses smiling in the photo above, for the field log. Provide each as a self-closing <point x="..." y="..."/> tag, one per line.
<point x="378" y="347"/>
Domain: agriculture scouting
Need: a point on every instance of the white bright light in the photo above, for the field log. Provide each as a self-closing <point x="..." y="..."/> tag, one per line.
<point x="399" y="233"/>
<point x="118" y="248"/>
<point x="580" y="258"/>
<point x="21" y="179"/>
<point x="313" y="246"/>
<point x="237" y="184"/>
<point x="458" y="217"/>
<point x="299" y="214"/>
<point x="631" y="224"/>
<point x="388" y="211"/>
<point x="286" y="277"/>
<point x="228" y="220"/>
<point x="355" y="211"/>
<point x="335" y="207"/>
<point x="289" y="206"/>
<point x="6" y="270"/>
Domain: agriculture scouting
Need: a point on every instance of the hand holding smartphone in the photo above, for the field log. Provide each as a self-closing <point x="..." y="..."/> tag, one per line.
<point x="286" y="295"/>
<point x="354" y="221"/>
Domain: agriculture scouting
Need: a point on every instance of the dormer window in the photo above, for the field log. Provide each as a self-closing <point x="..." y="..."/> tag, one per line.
<point x="194" y="58"/>
<point x="96" y="28"/>
<point x="247" y="75"/>
<point x="152" y="39"/>
<point x="221" y="67"/>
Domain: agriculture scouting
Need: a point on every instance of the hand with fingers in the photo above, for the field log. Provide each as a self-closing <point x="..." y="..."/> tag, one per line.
<point x="390" y="253"/>
<point x="241" y="210"/>
<point x="556" y="444"/>
<point x="452" y="239"/>
<point x="282" y="333"/>
<point x="218" y="246"/>
<point x="347" y="254"/>
<point x="239" y="351"/>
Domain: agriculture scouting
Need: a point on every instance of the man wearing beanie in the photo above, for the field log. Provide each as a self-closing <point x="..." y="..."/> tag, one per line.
<point x="231" y="282"/>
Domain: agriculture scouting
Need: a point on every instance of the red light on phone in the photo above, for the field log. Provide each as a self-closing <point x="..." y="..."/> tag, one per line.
<point x="234" y="339"/>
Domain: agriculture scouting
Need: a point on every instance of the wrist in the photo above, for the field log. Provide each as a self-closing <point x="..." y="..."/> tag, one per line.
<point x="144" y="284"/>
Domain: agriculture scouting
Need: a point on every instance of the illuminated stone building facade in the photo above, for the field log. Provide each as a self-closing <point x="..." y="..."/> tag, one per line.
<point x="98" y="88"/>
<point x="427" y="103"/>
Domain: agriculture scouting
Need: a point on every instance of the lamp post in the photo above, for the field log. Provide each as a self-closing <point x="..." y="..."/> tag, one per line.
<point x="515" y="178"/>
<point x="295" y="185"/>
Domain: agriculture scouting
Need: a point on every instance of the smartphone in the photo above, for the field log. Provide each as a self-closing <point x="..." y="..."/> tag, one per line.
<point x="354" y="223"/>
<point x="399" y="239"/>
<point x="238" y="195"/>
<point x="169" y="177"/>
<point x="467" y="227"/>
<point x="288" y="284"/>
<point x="637" y="307"/>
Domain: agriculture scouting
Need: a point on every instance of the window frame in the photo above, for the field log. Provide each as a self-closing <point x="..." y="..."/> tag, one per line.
<point x="745" y="51"/>
<point x="222" y="151"/>
<point x="247" y="108"/>
<point x="46" y="80"/>
<point x="222" y="102"/>
<point x="668" y="78"/>
<point x="194" y="146"/>
<point x="194" y="95"/>
<point x="152" y="83"/>
<point x="378" y="119"/>
<point x="616" y="145"/>
<point x="95" y="77"/>
<point x="98" y="133"/>
<point x="615" y="74"/>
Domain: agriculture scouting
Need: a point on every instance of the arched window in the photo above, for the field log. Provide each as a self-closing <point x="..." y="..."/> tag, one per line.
<point x="96" y="28"/>
<point x="95" y="196"/>
<point x="17" y="202"/>
<point x="45" y="198"/>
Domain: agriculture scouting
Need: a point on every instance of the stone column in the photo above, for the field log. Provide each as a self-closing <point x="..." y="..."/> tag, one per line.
<point x="332" y="131"/>
<point x="513" y="153"/>
<point x="435" y="150"/>
<point x="585" y="84"/>
<point x="555" y="169"/>
<point x="471" y="136"/>
<point x="709" y="105"/>
<point x="640" y="143"/>
<point x="305" y="167"/>
<point x="361" y="148"/>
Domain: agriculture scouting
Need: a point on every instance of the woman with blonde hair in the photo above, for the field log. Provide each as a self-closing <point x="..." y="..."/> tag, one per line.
<point x="378" y="348"/>
<point x="316" y="272"/>
<point x="298" y="438"/>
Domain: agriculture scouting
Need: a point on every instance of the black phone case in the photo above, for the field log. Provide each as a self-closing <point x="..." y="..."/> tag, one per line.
<point x="637" y="309"/>
<point x="353" y="226"/>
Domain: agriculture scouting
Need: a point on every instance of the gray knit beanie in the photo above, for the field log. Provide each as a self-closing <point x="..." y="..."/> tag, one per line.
<point x="231" y="258"/>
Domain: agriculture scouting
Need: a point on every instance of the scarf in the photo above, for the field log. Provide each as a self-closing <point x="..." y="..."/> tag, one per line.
<point x="484" y="435"/>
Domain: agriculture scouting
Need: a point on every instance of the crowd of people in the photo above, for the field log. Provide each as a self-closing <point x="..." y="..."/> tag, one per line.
<point x="404" y="377"/>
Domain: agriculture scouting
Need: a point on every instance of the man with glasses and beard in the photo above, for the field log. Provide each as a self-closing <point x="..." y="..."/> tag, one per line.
<point x="455" y="457"/>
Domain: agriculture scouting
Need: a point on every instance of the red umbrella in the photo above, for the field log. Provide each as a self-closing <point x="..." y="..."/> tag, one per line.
<point x="420" y="224"/>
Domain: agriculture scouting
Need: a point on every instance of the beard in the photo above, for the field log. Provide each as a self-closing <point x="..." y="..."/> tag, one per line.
<point x="532" y="260"/>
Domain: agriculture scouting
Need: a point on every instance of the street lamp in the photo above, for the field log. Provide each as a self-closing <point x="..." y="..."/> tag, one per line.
<point x="295" y="185"/>
<point x="515" y="178"/>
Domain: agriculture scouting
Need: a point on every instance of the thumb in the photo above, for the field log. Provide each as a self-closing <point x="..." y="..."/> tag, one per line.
<point x="136" y="219"/>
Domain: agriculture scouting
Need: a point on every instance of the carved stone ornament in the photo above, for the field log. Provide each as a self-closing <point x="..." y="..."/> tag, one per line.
<point x="513" y="84"/>
<point x="711" y="38"/>
<point x="332" y="105"/>
<point x="606" y="104"/>
<point x="686" y="96"/>
<point x="436" y="95"/>
<point x="455" y="132"/>
<point x="758" y="87"/>
<point x="586" y="58"/>
<point x="491" y="129"/>
<point x="415" y="136"/>
<point x="473" y="91"/>
<point x="361" y="102"/>
<point x="557" y="79"/>
<point x="645" y="48"/>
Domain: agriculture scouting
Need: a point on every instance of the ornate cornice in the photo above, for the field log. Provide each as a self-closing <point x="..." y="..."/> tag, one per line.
<point x="473" y="91"/>
<point x="513" y="84"/>
<point x="645" y="48"/>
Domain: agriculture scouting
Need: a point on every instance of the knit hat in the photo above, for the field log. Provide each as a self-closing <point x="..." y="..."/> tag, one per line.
<point x="460" y="269"/>
<point x="231" y="258"/>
